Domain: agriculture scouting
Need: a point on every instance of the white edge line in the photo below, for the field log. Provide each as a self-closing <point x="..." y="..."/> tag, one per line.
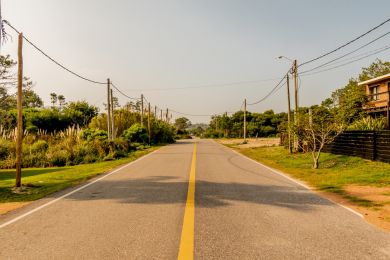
<point x="73" y="191"/>
<point x="291" y="179"/>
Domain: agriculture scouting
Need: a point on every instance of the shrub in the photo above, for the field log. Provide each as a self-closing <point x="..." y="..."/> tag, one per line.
<point x="369" y="124"/>
<point x="136" y="133"/>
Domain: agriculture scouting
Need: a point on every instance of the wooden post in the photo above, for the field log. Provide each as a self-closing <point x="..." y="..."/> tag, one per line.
<point x="244" y="120"/>
<point x="155" y="112"/>
<point x="296" y="116"/>
<point x="149" y="132"/>
<point x="161" y="112"/>
<point x="142" y="110"/>
<point x="109" y="109"/>
<point x="166" y="116"/>
<point x="112" y="116"/>
<point x="19" y="132"/>
<point x="289" y="114"/>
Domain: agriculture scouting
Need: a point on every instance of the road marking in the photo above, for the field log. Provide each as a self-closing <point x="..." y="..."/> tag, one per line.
<point x="186" y="251"/>
<point x="72" y="192"/>
<point x="291" y="179"/>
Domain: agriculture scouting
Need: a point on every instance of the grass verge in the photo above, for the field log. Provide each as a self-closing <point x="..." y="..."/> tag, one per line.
<point x="39" y="182"/>
<point x="336" y="172"/>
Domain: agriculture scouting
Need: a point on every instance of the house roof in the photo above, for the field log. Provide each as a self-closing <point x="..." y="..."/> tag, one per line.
<point x="374" y="80"/>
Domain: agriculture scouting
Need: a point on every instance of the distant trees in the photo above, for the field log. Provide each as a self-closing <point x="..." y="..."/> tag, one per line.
<point x="258" y="124"/>
<point x="182" y="123"/>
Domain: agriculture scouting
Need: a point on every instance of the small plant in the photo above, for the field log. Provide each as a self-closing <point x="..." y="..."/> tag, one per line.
<point x="369" y="124"/>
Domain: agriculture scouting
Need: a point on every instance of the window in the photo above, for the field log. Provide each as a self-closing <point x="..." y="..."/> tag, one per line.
<point x="374" y="93"/>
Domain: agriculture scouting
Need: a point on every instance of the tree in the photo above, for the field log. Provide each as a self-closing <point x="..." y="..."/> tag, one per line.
<point x="376" y="69"/>
<point x="80" y="112"/>
<point x="61" y="101"/>
<point x="318" y="126"/>
<point x="30" y="98"/>
<point x="182" y="123"/>
<point x="53" y="99"/>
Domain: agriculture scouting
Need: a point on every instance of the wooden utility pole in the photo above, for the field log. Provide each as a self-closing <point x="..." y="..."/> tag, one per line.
<point x="112" y="116"/>
<point x="244" y="120"/>
<point x="109" y="109"/>
<point x="142" y="110"/>
<point x="166" y="116"/>
<point x="289" y="114"/>
<point x="155" y="112"/>
<point x="149" y="132"/>
<point x="296" y="88"/>
<point x="19" y="132"/>
<point x="161" y="112"/>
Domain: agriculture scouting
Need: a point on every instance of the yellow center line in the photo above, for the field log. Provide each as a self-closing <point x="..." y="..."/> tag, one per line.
<point x="186" y="251"/>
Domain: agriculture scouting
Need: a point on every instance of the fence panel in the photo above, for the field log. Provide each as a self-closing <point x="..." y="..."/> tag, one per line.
<point x="372" y="145"/>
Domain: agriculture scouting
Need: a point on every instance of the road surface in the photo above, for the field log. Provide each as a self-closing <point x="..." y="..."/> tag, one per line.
<point x="211" y="204"/>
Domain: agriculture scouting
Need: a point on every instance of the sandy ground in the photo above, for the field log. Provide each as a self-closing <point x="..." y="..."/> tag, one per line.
<point x="9" y="206"/>
<point x="251" y="142"/>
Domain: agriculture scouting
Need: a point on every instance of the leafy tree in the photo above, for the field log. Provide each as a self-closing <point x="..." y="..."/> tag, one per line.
<point x="30" y="98"/>
<point x="318" y="126"/>
<point x="53" y="99"/>
<point x="61" y="101"/>
<point x="182" y="123"/>
<point x="80" y="112"/>
<point x="376" y="69"/>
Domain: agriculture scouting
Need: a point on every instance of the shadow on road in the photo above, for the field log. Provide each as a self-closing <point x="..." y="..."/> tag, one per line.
<point x="165" y="190"/>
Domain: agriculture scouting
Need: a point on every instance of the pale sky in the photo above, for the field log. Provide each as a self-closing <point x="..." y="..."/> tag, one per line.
<point x="148" y="45"/>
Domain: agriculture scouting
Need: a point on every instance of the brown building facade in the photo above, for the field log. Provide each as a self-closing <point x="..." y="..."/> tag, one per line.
<point x="378" y="93"/>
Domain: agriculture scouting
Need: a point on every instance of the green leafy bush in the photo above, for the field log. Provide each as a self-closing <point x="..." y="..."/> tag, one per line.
<point x="136" y="133"/>
<point x="369" y="124"/>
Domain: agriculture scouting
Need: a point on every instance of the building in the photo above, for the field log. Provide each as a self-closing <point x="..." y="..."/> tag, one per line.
<point x="378" y="92"/>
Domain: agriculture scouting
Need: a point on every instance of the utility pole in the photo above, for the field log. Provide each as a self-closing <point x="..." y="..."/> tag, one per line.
<point x="19" y="133"/>
<point x="109" y="109"/>
<point x="142" y="110"/>
<point x="161" y="112"/>
<point x="289" y="114"/>
<point x="296" y="88"/>
<point x="166" y="116"/>
<point x="244" y="120"/>
<point x="112" y="116"/>
<point x="155" y="112"/>
<point x="149" y="132"/>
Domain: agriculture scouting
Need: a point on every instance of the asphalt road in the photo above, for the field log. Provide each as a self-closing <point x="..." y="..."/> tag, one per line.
<point x="242" y="210"/>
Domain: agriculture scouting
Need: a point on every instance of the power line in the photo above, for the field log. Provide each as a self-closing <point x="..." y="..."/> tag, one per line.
<point x="347" y="63"/>
<point x="356" y="56"/>
<point x="279" y="85"/>
<point x="123" y="94"/>
<point x="340" y="57"/>
<point x="207" y="85"/>
<point x="342" y="46"/>
<point x="52" y="59"/>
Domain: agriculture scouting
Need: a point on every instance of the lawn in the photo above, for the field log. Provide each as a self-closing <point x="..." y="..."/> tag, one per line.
<point x="39" y="182"/>
<point x="335" y="173"/>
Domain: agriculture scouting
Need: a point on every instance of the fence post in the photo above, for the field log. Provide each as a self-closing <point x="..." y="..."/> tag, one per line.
<point x="374" y="151"/>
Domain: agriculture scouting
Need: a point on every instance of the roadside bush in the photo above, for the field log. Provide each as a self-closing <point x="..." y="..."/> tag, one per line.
<point x="368" y="124"/>
<point x="136" y="133"/>
<point x="57" y="157"/>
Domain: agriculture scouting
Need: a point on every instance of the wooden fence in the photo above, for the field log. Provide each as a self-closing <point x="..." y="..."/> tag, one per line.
<point x="372" y="145"/>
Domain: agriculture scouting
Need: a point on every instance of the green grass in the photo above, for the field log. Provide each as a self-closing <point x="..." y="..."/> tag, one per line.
<point x="39" y="182"/>
<point x="335" y="171"/>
